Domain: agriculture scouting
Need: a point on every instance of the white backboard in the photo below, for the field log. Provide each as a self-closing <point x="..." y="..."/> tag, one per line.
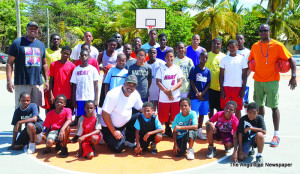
<point x="154" y="17"/>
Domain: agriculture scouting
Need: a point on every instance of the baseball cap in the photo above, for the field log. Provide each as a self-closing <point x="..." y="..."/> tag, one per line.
<point x="32" y="23"/>
<point x="131" y="79"/>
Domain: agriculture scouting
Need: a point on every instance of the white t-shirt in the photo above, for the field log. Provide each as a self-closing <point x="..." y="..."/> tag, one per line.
<point x="84" y="79"/>
<point x="146" y="46"/>
<point x="233" y="69"/>
<point x="154" y="90"/>
<point x="76" y="52"/>
<point x="169" y="77"/>
<point x="120" y="107"/>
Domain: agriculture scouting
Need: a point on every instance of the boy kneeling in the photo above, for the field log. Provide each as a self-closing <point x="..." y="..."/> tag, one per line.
<point x="148" y="129"/>
<point x="57" y="125"/>
<point x="185" y="129"/>
<point x="251" y="131"/>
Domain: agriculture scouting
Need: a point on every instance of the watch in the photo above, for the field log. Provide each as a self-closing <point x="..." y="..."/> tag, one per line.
<point x="294" y="75"/>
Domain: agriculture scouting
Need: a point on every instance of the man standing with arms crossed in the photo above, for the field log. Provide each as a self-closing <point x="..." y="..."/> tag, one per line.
<point x="28" y="55"/>
<point x="266" y="79"/>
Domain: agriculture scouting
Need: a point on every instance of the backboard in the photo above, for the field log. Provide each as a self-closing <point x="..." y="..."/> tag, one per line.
<point x="150" y="18"/>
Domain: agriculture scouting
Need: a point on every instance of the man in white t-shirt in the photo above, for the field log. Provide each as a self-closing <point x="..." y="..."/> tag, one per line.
<point x="152" y="42"/>
<point x="233" y="78"/>
<point x="117" y="119"/>
<point x="88" y="38"/>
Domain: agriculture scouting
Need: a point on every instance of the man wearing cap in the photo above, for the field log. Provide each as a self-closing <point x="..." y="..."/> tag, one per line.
<point x="117" y="119"/>
<point x="88" y="38"/>
<point x="28" y="55"/>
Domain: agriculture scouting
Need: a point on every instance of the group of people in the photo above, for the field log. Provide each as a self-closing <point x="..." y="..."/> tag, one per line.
<point x="145" y="87"/>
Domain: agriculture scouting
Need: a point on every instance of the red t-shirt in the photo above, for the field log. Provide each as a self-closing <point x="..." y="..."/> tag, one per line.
<point x="56" y="121"/>
<point x="223" y="124"/>
<point x="92" y="62"/>
<point x="61" y="74"/>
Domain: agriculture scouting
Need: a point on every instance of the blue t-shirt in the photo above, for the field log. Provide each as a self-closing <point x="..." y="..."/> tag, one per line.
<point x="28" y="61"/>
<point x="29" y="112"/>
<point x="161" y="54"/>
<point x="116" y="77"/>
<point x="194" y="55"/>
<point x="201" y="78"/>
<point x="181" y="120"/>
<point x="157" y="123"/>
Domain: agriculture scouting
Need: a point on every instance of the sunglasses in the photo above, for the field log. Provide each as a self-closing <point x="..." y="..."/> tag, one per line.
<point x="263" y="31"/>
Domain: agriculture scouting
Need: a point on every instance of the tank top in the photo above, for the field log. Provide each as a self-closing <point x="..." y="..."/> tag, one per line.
<point x="109" y="60"/>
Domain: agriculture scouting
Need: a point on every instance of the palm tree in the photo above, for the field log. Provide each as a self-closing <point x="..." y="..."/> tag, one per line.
<point x="217" y="17"/>
<point x="234" y="7"/>
<point x="125" y="21"/>
<point x="285" y="20"/>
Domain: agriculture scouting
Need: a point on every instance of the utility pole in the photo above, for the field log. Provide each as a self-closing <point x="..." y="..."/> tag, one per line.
<point x="18" y="18"/>
<point x="48" y="31"/>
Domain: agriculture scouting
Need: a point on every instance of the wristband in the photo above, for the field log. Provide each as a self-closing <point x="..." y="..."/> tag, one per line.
<point x="9" y="82"/>
<point x="294" y="75"/>
<point x="172" y="90"/>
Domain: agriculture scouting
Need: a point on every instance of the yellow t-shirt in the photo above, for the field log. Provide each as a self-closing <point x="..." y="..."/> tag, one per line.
<point x="213" y="64"/>
<point x="52" y="56"/>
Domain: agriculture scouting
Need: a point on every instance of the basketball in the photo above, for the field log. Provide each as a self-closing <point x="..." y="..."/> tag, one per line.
<point x="282" y="65"/>
<point x="252" y="65"/>
<point x="108" y="67"/>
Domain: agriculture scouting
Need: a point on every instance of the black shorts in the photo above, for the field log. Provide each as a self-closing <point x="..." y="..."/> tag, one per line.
<point x="23" y="138"/>
<point x="214" y="100"/>
<point x="145" y="144"/>
<point x="102" y="95"/>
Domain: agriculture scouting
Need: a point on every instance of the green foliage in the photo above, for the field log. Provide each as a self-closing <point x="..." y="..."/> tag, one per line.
<point x="8" y="29"/>
<point x="249" y="29"/>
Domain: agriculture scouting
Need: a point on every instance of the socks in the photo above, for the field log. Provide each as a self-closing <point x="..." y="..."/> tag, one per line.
<point x="276" y="133"/>
<point x="258" y="154"/>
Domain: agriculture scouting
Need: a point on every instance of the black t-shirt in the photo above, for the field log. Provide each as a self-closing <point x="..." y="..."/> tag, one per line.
<point x="244" y="122"/>
<point x="28" y="61"/>
<point x="29" y="112"/>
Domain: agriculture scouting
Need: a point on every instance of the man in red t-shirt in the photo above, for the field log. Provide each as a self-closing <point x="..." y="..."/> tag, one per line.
<point x="60" y="73"/>
<point x="266" y="79"/>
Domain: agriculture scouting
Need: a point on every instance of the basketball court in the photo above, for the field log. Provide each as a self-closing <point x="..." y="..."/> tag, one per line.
<point x="163" y="162"/>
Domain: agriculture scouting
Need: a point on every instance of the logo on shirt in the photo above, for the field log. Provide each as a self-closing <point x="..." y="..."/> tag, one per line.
<point x="200" y="78"/>
<point x="85" y="72"/>
<point x="32" y="56"/>
<point x="140" y="73"/>
<point x="170" y="77"/>
<point x="24" y="117"/>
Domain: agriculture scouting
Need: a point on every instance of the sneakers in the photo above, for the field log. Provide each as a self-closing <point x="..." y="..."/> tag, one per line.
<point x="201" y="135"/>
<point x="226" y="149"/>
<point x="211" y="152"/>
<point x="190" y="154"/>
<point x="64" y="152"/>
<point x="129" y="144"/>
<point x="31" y="148"/>
<point x="168" y="132"/>
<point x="39" y="138"/>
<point x="259" y="161"/>
<point x="275" y="141"/>
<point x="57" y="146"/>
<point x="153" y="148"/>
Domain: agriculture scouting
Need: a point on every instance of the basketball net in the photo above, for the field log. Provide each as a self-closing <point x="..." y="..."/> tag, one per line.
<point x="150" y="27"/>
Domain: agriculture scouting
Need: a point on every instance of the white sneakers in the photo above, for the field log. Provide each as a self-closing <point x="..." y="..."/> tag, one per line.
<point x="190" y="154"/>
<point x="31" y="148"/>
